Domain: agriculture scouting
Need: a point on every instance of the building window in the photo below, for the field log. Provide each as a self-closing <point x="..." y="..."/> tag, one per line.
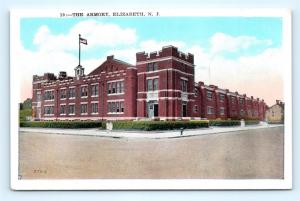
<point x="185" y="67"/>
<point x="155" y="84"/>
<point x="122" y="106"/>
<point x="83" y="108"/>
<point x="49" y="110"/>
<point x="196" y="92"/>
<point x="115" y="87"/>
<point x="222" y="110"/>
<point x="155" y="66"/>
<point x="115" y="107"/>
<point x="183" y="85"/>
<point x="49" y="95"/>
<point x="209" y="95"/>
<point x="113" y="104"/>
<point x="109" y="88"/>
<point x="241" y="101"/>
<point x="195" y="108"/>
<point x="152" y="67"/>
<point x="95" y="90"/>
<point x="38" y="96"/>
<point x="118" y="87"/>
<point x="72" y="93"/>
<point x="249" y="112"/>
<point x="122" y="87"/>
<point x="63" y="109"/>
<point x="150" y="85"/>
<point x="84" y="91"/>
<point x="94" y="108"/>
<point x="210" y="110"/>
<point x="71" y="109"/>
<point x="222" y="97"/>
<point x="63" y="94"/>
<point x="232" y="99"/>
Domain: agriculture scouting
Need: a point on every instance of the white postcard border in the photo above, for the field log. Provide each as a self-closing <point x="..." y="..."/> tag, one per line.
<point x="152" y="184"/>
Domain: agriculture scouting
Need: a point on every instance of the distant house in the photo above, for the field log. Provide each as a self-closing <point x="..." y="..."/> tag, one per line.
<point x="275" y="113"/>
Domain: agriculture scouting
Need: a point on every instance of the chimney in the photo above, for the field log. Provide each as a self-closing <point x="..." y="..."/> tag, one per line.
<point x="49" y="76"/>
<point x="62" y="75"/>
<point x="201" y="83"/>
<point x="111" y="57"/>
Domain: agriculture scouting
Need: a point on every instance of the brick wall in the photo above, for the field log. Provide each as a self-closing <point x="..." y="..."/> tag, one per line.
<point x="177" y="94"/>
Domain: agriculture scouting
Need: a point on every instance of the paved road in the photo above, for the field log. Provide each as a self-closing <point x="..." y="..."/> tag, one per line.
<point x="244" y="154"/>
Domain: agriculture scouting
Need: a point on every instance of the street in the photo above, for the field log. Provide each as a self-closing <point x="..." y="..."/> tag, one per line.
<point x="249" y="154"/>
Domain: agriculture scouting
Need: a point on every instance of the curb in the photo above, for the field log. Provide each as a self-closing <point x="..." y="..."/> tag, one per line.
<point x="149" y="135"/>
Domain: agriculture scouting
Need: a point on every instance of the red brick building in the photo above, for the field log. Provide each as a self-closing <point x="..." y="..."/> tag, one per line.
<point x="165" y="84"/>
<point x="160" y="85"/>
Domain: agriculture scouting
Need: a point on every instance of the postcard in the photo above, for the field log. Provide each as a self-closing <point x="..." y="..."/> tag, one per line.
<point x="151" y="99"/>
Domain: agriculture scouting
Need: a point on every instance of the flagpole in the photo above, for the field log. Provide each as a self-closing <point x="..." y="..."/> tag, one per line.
<point x="79" y="48"/>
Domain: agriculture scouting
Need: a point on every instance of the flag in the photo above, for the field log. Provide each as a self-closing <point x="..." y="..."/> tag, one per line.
<point x="83" y="41"/>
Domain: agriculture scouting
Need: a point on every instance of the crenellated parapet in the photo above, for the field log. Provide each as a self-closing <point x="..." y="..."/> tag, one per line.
<point x="167" y="51"/>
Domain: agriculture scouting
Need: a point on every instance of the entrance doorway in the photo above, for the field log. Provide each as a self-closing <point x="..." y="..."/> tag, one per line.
<point x="152" y="109"/>
<point x="184" y="109"/>
<point x="156" y="110"/>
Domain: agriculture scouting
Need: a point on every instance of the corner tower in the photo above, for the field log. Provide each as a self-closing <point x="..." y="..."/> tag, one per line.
<point x="165" y="84"/>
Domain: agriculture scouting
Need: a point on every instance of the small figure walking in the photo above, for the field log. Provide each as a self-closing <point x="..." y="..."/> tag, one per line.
<point x="181" y="131"/>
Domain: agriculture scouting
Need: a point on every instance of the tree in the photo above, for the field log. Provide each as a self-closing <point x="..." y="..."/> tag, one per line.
<point x="27" y="104"/>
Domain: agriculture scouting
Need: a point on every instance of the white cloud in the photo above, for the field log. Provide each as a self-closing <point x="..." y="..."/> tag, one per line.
<point x="153" y="45"/>
<point x="42" y="35"/>
<point x="100" y="34"/>
<point x="259" y="75"/>
<point x="222" y="42"/>
<point x="96" y="33"/>
<point x="39" y="62"/>
<point x="128" y="54"/>
<point x="53" y="53"/>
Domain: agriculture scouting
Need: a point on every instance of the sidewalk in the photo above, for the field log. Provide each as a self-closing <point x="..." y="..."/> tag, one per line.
<point x="143" y="134"/>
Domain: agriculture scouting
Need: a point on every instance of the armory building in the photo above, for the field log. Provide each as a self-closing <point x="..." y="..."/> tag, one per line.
<point x="160" y="85"/>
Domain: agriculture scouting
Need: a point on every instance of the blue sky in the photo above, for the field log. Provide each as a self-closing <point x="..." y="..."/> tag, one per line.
<point x="191" y="30"/>
<point x="242" y="54"/>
